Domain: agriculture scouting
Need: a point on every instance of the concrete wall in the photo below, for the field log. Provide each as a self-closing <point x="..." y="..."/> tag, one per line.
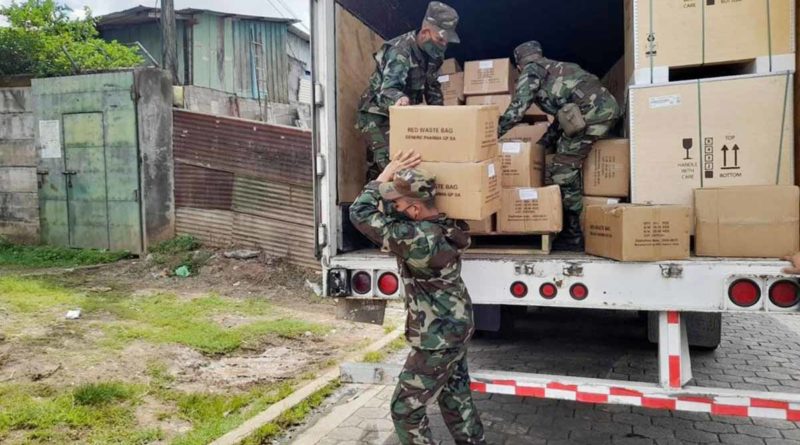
<point x="19" y="202"/>
<point x="205" y="100"/>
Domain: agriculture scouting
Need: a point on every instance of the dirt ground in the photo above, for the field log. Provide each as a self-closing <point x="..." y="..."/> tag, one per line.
<point x="39" y="347"/>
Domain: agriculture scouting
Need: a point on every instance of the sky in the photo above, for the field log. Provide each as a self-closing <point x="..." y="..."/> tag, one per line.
<point x="270" y="8"/>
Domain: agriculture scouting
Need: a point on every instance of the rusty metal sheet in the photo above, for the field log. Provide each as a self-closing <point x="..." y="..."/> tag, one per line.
<point x="269" y="152"/>
<point x="202" y="188"/>
<point x="282" y="202"/>
<point x="212" y="227"/>
<point x="278" y="238"/>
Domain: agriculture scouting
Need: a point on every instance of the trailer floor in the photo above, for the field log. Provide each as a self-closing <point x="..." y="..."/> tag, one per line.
<point x="759" y="352"/>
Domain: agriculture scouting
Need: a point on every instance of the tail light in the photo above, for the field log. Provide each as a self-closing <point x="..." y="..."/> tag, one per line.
<point x="579" y="291"/>
<point x="388" y="284"/>
<point x="548" y="291"/>
<point x="362" y="283"/>
<point x="744" y="293"/>
<point x="784" y="294"/>
<point x="519" y="289"/>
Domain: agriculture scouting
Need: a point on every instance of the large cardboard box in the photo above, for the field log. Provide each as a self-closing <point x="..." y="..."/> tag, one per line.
<point x="530" y="210"/>
<point x="628" y="232"/>
<point x="481" y="227"/>
<point x="595" y="201"/>
<point x="496" y="76"/>
<point x="526" y="132"/>
<point x="607" y="170"/>
<point x="452" y="88"/>
<point x="466" y="190"/>
<point x="450" y="66"/>
<point x="747" y="222"/>
<point x="502" y="101"/>
<point x="712" y="133"/>
<point x="445" y="134"/>
<point x="673" y="34"/>
<point x="523" y="164"/>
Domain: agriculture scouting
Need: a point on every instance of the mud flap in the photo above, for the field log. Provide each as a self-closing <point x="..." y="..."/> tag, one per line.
<point x="361" y="311"/>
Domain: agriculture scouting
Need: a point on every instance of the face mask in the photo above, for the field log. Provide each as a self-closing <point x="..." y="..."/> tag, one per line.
<point x="433" y="50"/>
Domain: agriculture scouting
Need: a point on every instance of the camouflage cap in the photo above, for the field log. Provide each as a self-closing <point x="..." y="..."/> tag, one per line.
<point x="445" y="18"/>
<point x="527" y="52"/>
<point x="410" y="183"/>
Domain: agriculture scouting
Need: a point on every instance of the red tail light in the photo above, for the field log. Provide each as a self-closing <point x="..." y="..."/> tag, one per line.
<point x="579" y="291"/>
<point x="744" y="293"/>
<point x="362" y="283"/>
<point x="388" y="284"/>
<point x="548" y="291"/>
<point x="519" y="289"/>
<point x="784" y="294"/>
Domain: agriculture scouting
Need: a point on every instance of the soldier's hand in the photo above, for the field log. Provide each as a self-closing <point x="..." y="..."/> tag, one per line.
<point x="404" y="160"/>
<point x="403" y="102"/>
<point x="795" y="260"/>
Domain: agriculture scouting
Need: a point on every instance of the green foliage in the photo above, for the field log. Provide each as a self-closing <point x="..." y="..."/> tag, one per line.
<point x="41" y="34"/>
<point x="96" y="394"/>
<point x="180" y="244"/>
<point x="51" y="256"/>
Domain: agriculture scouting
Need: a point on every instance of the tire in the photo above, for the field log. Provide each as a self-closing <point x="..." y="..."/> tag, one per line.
<point x="704" y="330"/>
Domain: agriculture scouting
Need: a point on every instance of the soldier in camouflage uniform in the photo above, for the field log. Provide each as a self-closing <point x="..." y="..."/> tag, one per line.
<point x="572" y="95"/>
<point x="439" y="323"/>
<point x="406" y="74"/>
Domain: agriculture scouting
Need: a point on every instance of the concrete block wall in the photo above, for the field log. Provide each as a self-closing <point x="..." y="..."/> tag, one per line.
<point x="19" y="201"/>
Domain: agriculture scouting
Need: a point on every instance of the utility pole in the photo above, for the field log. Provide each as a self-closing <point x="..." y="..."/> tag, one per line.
<point x="169" y="39"/>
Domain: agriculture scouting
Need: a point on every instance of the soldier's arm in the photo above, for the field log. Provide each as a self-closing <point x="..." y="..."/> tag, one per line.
<point x="524" y="96"/>
<point x="433" y="89"/>
<point x="395" y="76"/>
<point x="550" y="137"/>
<point x="398" y="236"/>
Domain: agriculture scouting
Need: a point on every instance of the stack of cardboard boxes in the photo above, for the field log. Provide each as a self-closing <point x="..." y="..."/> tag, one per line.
<point x="452" y="80"/>
<point x="711" y="157"/>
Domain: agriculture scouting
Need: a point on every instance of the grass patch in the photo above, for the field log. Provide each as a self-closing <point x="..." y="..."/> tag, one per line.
<point x="180" y="244"/>
<point x="379" y="356"/>
<point x="291" y="417"/>
<point x="51" y="256"/>
<point x="46" y="414"/>
<point x="32" y="295"/>
<point x="96" y="394"/>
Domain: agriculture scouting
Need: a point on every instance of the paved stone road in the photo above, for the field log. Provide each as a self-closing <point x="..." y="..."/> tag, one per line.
<point x="759" y="352"/>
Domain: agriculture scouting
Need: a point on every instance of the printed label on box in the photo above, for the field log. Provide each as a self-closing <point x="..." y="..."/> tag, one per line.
<point x="665" y="101"/>
<point x="512" y="148"/>
<point x="492" y="172"/>
<point x="486" y="64"/>
<point x="528" y="194"/>
<point x="444" y="79"/>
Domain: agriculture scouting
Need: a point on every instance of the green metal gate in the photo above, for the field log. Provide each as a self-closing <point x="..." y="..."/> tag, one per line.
<point x="86" y="134"/>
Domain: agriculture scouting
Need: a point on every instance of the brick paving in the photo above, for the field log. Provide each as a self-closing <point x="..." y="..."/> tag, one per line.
<point x="758" y="352"/>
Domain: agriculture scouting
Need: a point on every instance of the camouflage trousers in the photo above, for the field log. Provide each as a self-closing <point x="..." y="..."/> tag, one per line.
<point x="567" y="166"/>
<point x="375" y="129"/>
<point x="438" y="375"/>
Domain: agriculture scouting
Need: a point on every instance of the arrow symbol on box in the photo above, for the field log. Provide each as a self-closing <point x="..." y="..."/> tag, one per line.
<point x="725" y="154"/>
<point x="736" y="155"/>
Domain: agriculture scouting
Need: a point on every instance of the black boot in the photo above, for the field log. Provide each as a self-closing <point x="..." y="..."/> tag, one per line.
<point x="571" y="237"/>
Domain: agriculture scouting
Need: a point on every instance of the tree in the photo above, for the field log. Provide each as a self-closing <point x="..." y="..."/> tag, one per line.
<point x="44" y="41"/>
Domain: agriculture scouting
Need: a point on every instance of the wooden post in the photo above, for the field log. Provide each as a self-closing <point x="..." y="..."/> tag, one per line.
<point x="169" y="39"/>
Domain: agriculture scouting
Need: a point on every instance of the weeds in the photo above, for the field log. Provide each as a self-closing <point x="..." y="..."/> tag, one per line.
<point x="379" y="356"/>
<point x="180" y="244"/>
<point x="51" y="256"/>
<point x="96" y="394"/>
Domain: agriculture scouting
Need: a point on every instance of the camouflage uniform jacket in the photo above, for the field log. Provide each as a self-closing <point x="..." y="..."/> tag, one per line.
<point x="429" y="259"/>
<point x="403" y="69"/>
<point x="550" y="85"/>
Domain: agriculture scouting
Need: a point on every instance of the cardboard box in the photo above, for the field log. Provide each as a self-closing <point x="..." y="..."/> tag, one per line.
<point x="450" y="66"/>
<point x="481" y="227"/>
<point x="445" y="134"/>
<point x="744" y="135"/>
<point x="466" y="190"/>
<point x="523" y="164"/>
<point x="452" y="88"/>
<point x="747" y="222"/>
<point x="595" y="201"/>
<point x="607" y="170"/>
<point x="627" y="232"/>
<point x="502" y="101"/>
<point x="527" y="132"/>
<point x="531" y="210"/>
<point x="496" y="76"/>
<point x="694" y="32"/>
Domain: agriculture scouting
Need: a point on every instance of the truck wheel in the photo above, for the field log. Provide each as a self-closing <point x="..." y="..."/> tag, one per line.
<point x="704" y="330"/>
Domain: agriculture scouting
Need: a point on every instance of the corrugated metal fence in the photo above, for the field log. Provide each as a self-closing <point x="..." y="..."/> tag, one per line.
<point x="245" y="183"/>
